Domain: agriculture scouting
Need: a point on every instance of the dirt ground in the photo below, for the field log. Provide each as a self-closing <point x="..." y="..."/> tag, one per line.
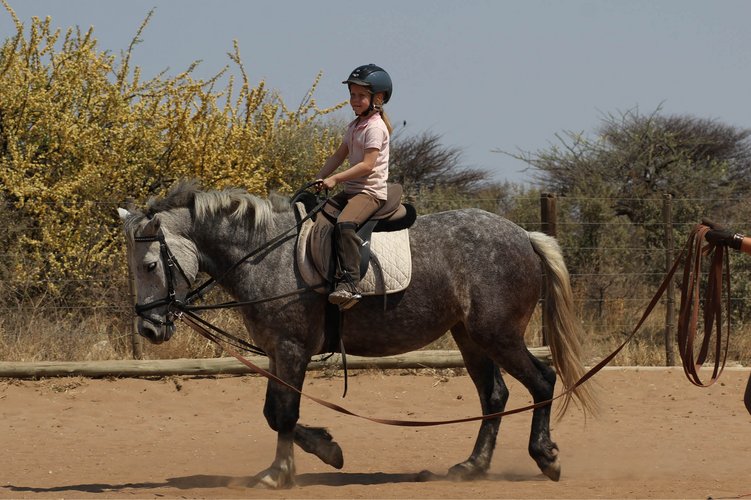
<point x="657" y="436"/>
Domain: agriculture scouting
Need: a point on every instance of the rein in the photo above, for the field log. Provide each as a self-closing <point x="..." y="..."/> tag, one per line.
<point x="201" y="290"/>
<point x="689" y="309"/>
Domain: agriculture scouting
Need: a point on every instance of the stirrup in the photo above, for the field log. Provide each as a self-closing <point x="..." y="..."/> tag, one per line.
<point x="346" y="294"/>
<point x="346" y="303"/>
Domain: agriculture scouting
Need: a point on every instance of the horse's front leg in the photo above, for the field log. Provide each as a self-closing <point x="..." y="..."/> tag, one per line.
<point x="281" y="473"/>
<point x="282" y="410"/>
<point x="319" y="442"/>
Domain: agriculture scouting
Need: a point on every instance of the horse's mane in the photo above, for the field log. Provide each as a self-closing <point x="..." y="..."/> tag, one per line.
<point x="234" y="202"/>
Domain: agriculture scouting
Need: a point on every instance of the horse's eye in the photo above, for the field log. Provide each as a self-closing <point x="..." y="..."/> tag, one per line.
<point x="151" y="266"/>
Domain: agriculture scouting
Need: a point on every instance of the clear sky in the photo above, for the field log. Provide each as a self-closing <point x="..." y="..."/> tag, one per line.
<point x="485" y="75"/>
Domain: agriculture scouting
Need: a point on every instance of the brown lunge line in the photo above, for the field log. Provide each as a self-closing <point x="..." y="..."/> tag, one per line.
<point x="689" y="312"/>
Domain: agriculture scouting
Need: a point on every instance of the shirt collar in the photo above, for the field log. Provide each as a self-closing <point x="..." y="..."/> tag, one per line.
<point x="364" y="122"/>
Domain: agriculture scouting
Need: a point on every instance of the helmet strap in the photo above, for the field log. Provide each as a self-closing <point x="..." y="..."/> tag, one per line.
<point x="373" y="105"/>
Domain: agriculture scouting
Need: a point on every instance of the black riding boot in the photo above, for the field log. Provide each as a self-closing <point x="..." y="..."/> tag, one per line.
<point x="347" y="245"/>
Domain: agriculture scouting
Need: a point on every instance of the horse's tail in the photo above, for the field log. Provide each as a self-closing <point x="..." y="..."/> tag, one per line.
<point x="564" y="332"/>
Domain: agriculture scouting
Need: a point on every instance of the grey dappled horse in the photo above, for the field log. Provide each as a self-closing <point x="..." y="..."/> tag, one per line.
<point x="474" y="273"/>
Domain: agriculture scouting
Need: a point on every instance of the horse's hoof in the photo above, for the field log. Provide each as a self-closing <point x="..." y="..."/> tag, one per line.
<point x="549" y="464"/>
<point x="273" y="479"/>
<point x="553" y="468"/>
<point x="319" y="442"/>
<point x="333" y="456"/>
<point x="266" y="482"/>
<point x="328" y="451"/>
<point x="465" y="472"/>
<point x="553" y="471"/>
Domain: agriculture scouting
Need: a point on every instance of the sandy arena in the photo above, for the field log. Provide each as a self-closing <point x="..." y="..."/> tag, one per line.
<point x="657" y="436"/>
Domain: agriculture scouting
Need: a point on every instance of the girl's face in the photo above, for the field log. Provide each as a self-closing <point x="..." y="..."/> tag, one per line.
<point x="359" y="98"/>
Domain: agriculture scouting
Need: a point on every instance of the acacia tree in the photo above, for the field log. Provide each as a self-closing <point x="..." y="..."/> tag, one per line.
<point x="640" y="157"/>
<point x="422" y="161"/>
<point x="435" y="178"/>
<point x="81" y="131"/>
<point x="614" y="185"/>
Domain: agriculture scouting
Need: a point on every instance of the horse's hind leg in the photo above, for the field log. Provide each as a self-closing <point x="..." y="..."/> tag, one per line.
<point x="539" y="379"/>
<point x="318" y="441"/>
<point x="493" y="395"/>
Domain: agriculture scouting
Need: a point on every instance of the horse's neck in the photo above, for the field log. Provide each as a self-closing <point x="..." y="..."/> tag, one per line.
<point x="225" y="242"/>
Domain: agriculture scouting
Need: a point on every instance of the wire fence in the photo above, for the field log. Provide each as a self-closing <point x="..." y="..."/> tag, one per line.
<point x="610" y="295"/>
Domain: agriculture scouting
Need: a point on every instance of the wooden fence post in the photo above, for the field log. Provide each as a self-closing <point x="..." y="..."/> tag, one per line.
<point x="548" y="214"/>
<point x="548" y="224"/>
<point x="667" y="219"/>
<point x="136" y="340"/>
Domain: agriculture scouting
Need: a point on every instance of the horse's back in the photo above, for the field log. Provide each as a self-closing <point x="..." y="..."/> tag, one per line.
<point x="472" y="233"/>
<point x="468" y="266"/>
<point x="482" y="253"/>
<point x="470" y="219"/>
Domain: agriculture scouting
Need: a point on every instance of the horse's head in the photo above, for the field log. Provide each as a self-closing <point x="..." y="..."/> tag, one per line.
<point x="163" y="264"/>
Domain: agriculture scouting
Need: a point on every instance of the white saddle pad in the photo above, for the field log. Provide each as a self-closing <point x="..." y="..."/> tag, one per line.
<point x="389" y="250"/>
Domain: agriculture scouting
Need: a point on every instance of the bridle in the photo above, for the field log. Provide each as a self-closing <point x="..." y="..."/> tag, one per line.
<point x="177" y="308"/>
<point x="170" y="264"/>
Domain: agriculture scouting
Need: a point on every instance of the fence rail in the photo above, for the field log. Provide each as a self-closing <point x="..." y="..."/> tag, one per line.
<point x="231" y="366"/>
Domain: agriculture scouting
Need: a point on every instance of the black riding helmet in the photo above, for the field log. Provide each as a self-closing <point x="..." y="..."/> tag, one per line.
<point x="374" y="77"/>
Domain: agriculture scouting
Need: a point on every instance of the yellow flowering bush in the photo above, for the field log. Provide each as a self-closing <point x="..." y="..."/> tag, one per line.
<point x="81" y="132"/>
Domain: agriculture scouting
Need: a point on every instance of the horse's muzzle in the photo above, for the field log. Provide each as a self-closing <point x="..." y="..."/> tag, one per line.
<point x="155" y="333"/>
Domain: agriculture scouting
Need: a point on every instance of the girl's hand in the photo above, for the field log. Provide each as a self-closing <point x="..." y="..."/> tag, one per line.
<point x="328" y="183"/>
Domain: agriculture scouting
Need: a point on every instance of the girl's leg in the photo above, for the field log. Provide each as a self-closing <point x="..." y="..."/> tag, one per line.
<point x="359" y="209"/>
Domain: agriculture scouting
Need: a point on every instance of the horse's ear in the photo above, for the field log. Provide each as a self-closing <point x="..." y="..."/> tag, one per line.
<point x="123" y="213"/>
<point x="152" y="227"/>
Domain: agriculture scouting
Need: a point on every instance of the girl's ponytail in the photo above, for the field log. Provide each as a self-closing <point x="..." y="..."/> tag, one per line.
<point x="386" y="120"/>
<point x="378" y="102"/>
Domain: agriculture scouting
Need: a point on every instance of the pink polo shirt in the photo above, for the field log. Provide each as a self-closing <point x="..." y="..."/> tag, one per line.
<point x="368" y="133"/>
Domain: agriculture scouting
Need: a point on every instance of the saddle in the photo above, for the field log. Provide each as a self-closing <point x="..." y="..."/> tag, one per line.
<point x="386" y="262"/>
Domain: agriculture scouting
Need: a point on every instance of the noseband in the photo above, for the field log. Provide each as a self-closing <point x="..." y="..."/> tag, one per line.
<point x="170" y="263"/>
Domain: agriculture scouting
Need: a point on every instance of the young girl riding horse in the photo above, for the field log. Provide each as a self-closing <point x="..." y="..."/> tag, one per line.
<point x="366" y="145"/>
